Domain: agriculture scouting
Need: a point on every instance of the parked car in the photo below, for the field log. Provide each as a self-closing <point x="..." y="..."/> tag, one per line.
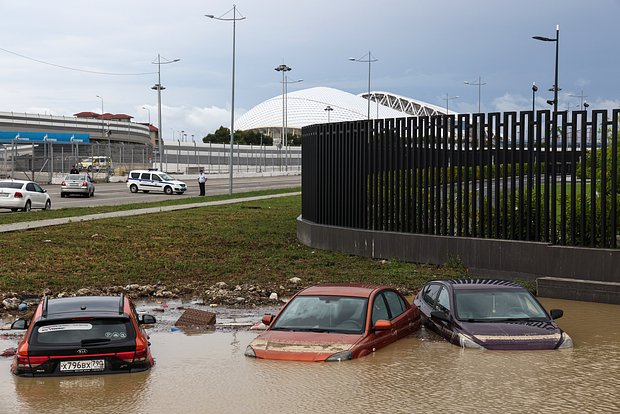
<point x="83" y="335"/>
<point x="490" y="314"/>
<point x="96" y="163"/>
<point x="335" y="323"/>
<point x="77" y="184"/>
<point x="23" y="195"/>
<point x="153" y="180"/>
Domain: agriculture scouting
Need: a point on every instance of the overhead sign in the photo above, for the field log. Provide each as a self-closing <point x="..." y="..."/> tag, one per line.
<point x="9" y="137"/>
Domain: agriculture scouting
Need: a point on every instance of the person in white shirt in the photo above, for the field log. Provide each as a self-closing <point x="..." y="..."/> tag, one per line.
<point x="202" y="180"/>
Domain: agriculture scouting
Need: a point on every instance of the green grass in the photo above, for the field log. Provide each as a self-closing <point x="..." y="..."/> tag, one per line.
<point x="252" y="242"/>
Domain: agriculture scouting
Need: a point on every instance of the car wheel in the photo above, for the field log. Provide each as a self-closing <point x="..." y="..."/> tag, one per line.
<point x="145" y="191"/>
<point x="48" y="205"/>
<point x="93" y="193"/>
<point x="14" y="209"/>
<point x="133" y="188"/>
<point x="27" y="206"/>
<point x="62" y="195"/>
<point x="168" y="190"/>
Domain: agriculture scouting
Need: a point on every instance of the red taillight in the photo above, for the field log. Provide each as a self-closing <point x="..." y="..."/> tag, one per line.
<point x="84" y="184"/>
<point x="126" y="356"/>
<point x="18" y="194"/>
<point x="139" y="356"/>
<point x="63" y="184"/>
<point x="27" y="362"/>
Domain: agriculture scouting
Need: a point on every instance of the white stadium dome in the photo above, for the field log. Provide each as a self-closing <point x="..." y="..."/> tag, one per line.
<point x="307" y="107"/>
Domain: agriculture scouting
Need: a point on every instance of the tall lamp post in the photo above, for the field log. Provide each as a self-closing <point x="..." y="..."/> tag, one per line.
<point x="158" y="87"/>
<point x="233" y="19"/>
<point x="581" y="96"/>
<point x="328" y="109"/>
<point x="556" y="87"/>
<point x="448" y="98"/>
<point x="283" y="68"/>
<point x="149" y="111"/>
<point x="534" y="90"/>
<point x="103" y="133"/>
<point x="479" y="85"/>
<point x="367" y="58"/>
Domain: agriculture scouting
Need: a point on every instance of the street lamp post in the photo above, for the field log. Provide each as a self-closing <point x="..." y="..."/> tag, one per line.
<point x="283" y="68"/>
<point x="367" y="58"/>
<point x="448" y="99"/>
<point x="479" y="85"/>
<point x="158" y="87"/>
<point x="534" y="90"/>
<point x="149" y="111"/>
<point x="556" y="87"/>
<point x="103" y="132"/>
<point x="232" y="104"/>
<point x="581" y="96"/>
<point x="328" y="109"/>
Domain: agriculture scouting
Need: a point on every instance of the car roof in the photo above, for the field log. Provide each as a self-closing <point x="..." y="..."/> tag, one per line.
<point x="356" y="289"/>
<point x="83" y="306"/>
<point x="461" y="284"/>
<point x="15" y="181"/>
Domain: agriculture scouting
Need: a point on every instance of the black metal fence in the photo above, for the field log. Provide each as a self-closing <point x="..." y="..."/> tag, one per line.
<point x="518" y="176"/>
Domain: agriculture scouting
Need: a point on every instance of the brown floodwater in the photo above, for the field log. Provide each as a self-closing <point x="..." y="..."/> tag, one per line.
<point x="208" y="373"/>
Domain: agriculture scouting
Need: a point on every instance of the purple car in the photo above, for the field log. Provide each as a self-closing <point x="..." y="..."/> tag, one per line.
<point x="489" y="314"/>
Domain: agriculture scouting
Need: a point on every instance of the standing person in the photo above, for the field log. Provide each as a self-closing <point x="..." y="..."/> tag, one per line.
<point x="202" y="180"/>
<point x="74" y="170"/>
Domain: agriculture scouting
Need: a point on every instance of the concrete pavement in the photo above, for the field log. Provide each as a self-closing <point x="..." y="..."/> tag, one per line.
<point x="6" y="228"/>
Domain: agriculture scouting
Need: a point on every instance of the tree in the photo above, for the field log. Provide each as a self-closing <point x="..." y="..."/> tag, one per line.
<point x="220" y="136"/>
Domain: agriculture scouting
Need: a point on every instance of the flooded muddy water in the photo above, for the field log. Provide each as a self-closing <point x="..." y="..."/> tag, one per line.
<point x="208" y="373"/>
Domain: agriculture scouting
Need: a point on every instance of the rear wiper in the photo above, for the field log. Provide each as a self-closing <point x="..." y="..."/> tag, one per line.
<point x="94" y="341"/>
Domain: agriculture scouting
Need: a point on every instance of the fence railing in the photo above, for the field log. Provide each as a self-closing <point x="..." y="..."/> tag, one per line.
<point x="518" y="176"/>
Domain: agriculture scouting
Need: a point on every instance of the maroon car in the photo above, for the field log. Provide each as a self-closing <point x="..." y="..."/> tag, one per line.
<point x="489" y="314"/>
<point x="335" y="323"/>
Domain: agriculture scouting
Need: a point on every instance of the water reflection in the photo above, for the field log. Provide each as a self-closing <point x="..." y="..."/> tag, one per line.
<point x="421" y="373"/>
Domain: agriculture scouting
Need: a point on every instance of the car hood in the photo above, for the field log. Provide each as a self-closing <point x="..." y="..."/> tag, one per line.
<point x="514" y="335"/>
<point x="302" y="346"/>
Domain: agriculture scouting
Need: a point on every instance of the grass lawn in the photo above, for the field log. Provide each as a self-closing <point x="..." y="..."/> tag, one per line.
<point x="252" y="242"/>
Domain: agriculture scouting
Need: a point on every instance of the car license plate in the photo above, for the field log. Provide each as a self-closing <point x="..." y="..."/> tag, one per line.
<point x="85" y="365"/>
<point x="74" y="184"/>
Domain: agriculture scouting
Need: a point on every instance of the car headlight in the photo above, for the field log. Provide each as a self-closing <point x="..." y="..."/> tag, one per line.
<point x="249" y="352"/>
<point x="467" y="342"/>
<point x="566" y="341"/>
<point x="340" y="356"/>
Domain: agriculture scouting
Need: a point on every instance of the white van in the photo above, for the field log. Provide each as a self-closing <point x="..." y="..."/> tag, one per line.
<point x="153" y="180"/>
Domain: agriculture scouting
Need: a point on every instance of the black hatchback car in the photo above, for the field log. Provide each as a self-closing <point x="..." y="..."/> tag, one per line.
<point x="81" y="336"/>
<point x="489" y="314"/>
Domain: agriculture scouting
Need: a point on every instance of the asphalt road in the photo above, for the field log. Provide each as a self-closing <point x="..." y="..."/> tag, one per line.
<point x="107" y="194"/>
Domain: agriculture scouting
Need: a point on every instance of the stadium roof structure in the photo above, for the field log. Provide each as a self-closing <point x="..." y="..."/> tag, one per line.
<point x="308" y="106"/>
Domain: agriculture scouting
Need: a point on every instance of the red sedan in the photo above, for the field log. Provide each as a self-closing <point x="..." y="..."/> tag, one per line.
<point x="336" y="323"/>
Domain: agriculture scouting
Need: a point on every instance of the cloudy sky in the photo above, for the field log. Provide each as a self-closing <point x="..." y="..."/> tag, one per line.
<point x="57" y="56"/>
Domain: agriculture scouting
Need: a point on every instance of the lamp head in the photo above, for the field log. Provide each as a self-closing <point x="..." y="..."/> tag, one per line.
<point x="585" y="105"/>
<point x="534" y="87"/>
<point x="550" y="101"/>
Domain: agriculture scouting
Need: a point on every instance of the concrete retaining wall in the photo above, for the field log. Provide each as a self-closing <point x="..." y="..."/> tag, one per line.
<point x="483" y="257"/>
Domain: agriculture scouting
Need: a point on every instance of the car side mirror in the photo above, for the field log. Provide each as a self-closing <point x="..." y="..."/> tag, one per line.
<point x="147" y="320"/>
<point x="556" y="313"/>
<point x="442" y="316"/>
<point x="267" y="319"/>
<point x="20" y="324"/>
<point x="383" y="325"/>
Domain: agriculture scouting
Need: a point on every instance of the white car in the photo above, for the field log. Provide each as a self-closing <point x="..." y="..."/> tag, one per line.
<point x="153" y="180"/>
<point x="23" y="195"/>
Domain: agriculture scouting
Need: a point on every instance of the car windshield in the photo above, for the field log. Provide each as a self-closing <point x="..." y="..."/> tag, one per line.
<point x="330" y="314"/>
<point x="166" y="177"/>
<point x="493" y="305"/>
<point x="83" y="332"/>
<point x="10" y="184"/>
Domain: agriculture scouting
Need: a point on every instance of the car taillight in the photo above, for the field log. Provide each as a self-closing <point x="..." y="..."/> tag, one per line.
<point x="84" y="184"/>
<point x="27" y="362"/>
<point x="125" y="356"/>
<point x="63" y="184"/>
<point x="18" y="194"/>
<point x="139" y="355"/>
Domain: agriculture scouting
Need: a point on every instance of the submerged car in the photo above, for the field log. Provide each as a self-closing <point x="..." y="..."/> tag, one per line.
<point x="83" y="336"/>
<point x="335" y="323"/>
<point x="23" y="195"/>
<point x="489" y="314"/>
<point x="77" y="184"/>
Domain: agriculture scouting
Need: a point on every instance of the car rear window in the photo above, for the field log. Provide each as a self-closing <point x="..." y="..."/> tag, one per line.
<point x="83" y="331"/>
<point x="9" y="184"/>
